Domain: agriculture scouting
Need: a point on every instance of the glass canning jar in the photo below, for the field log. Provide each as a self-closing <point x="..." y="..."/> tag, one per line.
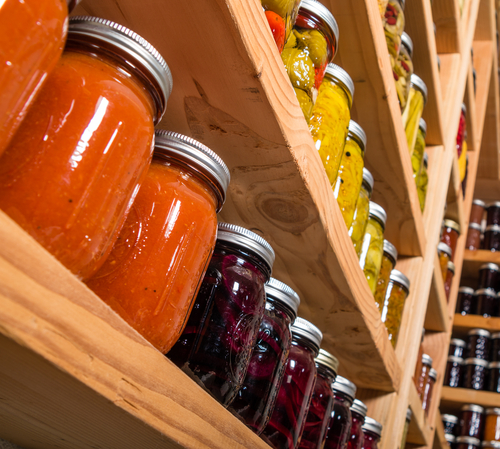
<point x="450" y="273"/>
<point x="477" y="211"/>
<point x="467" y="301"/>
<point x="71" y="173"/>
<point x="468" y="443"/>
<point x="493" y="213"/>
<point x="350" y="174"/>
<point x="471" y="421"/>
<point x="358" y="414"/>
<point x="394" y="25"/>
<point x="360" y="218"/>
<point x="330" y="118"/>
<point x="450" y="234"/>
<point x="451" y="440"/>
<point x="462" y="125"/>
<point x="491" y="444"/>
<point x="406" y="428"/>
<point x="423" y="375"/>
<point x="450" y="423"/>
<point x="370" y="257"/>
<point x="453" y="374"/>
<point x="395" y="297"/>
<point x="494" y="377"/>
<point x="486" y="302"/>
<point x="489" y="276"/>
<point x="418" y="365"/>
<point x="429" y="387"/>
<point x="473" y="237"/>
<point x="492" y="425"/>
<point x="389" y="258"/>
<point x="403" y="70"/>
<point x="340" y="424"/>
<point x="289" y="416"/>
<point x="280" y="17"/>
<point x="495" y="347"/>
<point x="422" y="182"/>
<point x="223" y="327"/>
<point x="492" y="238"/>
<point x="457" y="347"/>
<point x="444" y="253"/>
<point x="255" y="399"/>
<point x="152" y="277"/>
<point x="322" y="402"/>
<point x="414" y="108"/>
<point x="418" y="150"/>
<point x="372" y="431"/>
<point x="478" y="344"/>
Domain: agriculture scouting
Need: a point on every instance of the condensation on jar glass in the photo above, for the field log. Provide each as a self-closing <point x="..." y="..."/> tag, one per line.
<point x="423" y="375"/>
<point x="493" y="213"/>
<point x="340" y="424"/>
<point x="486" y="302"/>
<point x="289" y="415"/>
<point x="389" y="258"/>
<point x="477" y="211"/>
<point x="418" y="150"/>
<point x="223" y="326"/>
<point x="450" y="273"/>
<point x="394" y="25"/>
<point x="414" y="107"/>
<point x="444" y="253"/>
<point x="372" y="248"/>
<point x="330" y="118"/>
<point x="403" y="70"/>
<point x="468" y="443"/>
<point x="406" y="428"/>
<point x="255" y="399"/>
<point x="450" y="424"/>
<point x="492" y="238"/>
<point x="494" y="377"/>
<point x="73" y="169"/>
<point x="422" y="181"/>
<point x="450" y="235"/>
<point x="473" y="241"/>
<point x="457" y="347"/>
<point x="360" y="218"/>
<point x="358" y="414"/>
<point x="311" y="46"/>
<point x="492" y="425"/>
<point x="372" y="431"/>
<point x="471" y="421"/>
<point x="478" y="344"/>
<point x="489" y="276"/>
<point x="395" y="297"/>
<point x="466" y="302"/>
<point x="280" y="17"/>
<point x="350" y="174"/>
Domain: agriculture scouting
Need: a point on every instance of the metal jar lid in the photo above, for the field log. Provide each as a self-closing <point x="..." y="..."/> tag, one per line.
<point x="358" y="133"/>
<point x="237" y="235"/>
<point x="326" y="359"/>
<point x="451" y="267"/>
<point x="495" y="335"/>
<point x="390" y="250"/>
<point x="474" y="361"/>
<point x="447" y="223"/>
<point x="469" y="440"/>
<point x="198" y="157"/>
<point x="493" y="411"/>
<point x="493" y="204"/>
<point x="281" y="292"/>
<point x="372" y="426"/>
<point x="457" y="342"/>
<point x="427" y="359"/>
<point x="378" y="213"/>
<point x="485" y="291"/>
<point x="464" y="107"/>
<point x="489" y="266"/>
<point x="472" y="408"/>
<point x="492" y="228"/>
<point x="475" y="226"/>
<point x="466" y="290"/>
<point x="450" y="438"/>
<point x="444" y="248"/>
<point x="479" y="332"/>
<point x="426" y="160"/>
<point x="423" y="126"/>
<point x="433" y="374"/>
<point x="402" y="3"/>
<point x="494" y="365"/>
<point x="400" y="278"/>
<point x="450" y="418"/>
<point x="479" y="202"/>
<point x="359" y="407"/>
<point x="408" y="414"/>
<point x="420" y="85"/>
<point x="491" y="444"/>
<point x="129" y="46"/>
<point x="368" y="179"/>
<point x="407" y="42"/>
<point x="306" y="329"/>
<point x="345" y="386"/>
<point x="455" y="359"/>
<point x="340" y="75"/>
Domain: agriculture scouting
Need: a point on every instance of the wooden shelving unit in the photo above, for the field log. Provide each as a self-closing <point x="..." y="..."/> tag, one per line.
<point x="76" y="376"/>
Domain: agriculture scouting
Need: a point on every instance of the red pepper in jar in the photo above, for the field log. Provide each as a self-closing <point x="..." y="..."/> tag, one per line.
<point x="277" y="25"/>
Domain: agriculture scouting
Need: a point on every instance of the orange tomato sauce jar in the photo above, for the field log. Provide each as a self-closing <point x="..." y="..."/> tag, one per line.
<point x="72" y="170"/>
<point x="154" y="271"/>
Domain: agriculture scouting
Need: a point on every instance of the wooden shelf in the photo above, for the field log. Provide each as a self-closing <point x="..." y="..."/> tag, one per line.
<point x="464" y="323"/>
<point x="454" y="398"/>
<point x="439" y="437"/>
<point x="474" y="259"/>
<point x="437" y="317"/>
<point x="419" y="432"/>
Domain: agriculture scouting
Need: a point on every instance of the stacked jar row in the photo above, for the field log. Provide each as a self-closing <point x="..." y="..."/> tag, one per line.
<point x="475" y="364"/>
<point x="484" y="226"/>
<point x="450" y="232"/>
<point x="476" y="428"/>
<point x="425" y="379"/>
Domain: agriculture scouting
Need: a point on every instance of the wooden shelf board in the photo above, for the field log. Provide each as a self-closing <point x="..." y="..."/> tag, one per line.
<point x="446" y="15"/>
<point x="470" y="103"/>
<point x="419" y="432"/>
<point x="474" y="259"/>
<point x="464" y="323"/>
<point x="439" y="437"/>
<point x="454" y="398"/>
<point x="437" y="317"/>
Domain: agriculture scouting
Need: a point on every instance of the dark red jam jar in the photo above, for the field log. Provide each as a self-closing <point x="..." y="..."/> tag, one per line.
<point x="453" y="373"/>
<point x="372" y="431"/>
<point x="468" y="443"/>
<point x="340" y="424"/>
<point x="466" y="301"/>
<point x="423" y="376"/>
<point x="492" y="238"/>
<point x="471" y="421"/>
<point x="358" y="414"/>
<point x="494" y="377"/>
<point x="495" y="347"/>
<point x="289" y="416"/>
<point x="493" y="213"/>
<point x="473" y="241"/>
<point x="457" y="347"/>
<point x="450" y="234"/>
<point x="489" y="275"/>
<point x="429" y="387"/>
<point x="477" y="211"/>
<point x="255" y="400"/>
<point x="321" y="408"/>
<point x="221" y="331"/>
<point x="450" y="423"/>
<point x="486" y="302"/>
<point x="451" y="440"/>
<point x="475" y="372"/>
<point x="478" y="345"/>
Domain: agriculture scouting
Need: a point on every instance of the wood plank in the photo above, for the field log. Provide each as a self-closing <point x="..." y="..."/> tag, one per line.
<point x="470" y="103"/>
<point x="439" y="437"/>
<point x="474" y="259"/>
<point x="437" y="317"/>
<point x="446" y="14"/>
<point x="464" y="323"/>
<point x="419" y="431"/>
<point x="454" y="398"/>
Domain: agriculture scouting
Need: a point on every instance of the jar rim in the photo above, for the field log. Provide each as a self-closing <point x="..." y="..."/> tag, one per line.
<point x="390" y="250"/>
<point x="326" y="359"/>
<point x="407" y="42"/>
<point x="345" y="81"/>
<point x="493" y="227"/>
<point x="449" y="223"/>
<point x="420" y="85"/>
<point x="451" y="266"/>
<point x="472" y="408"/>
<point x="368" y="179"/>
<point x="359" y="407"/>
<point x="465" y="289"/>
<point x="283" y="293"/>
<point x="485" y="291"/>
<point x="345" y="386"/>
<point x="493" y="411"/>
<point x="427" y="359"/>
<point x="480" y="332"/>
<point x="450" y="418"/>
<point x="423" y="126"/>
<point x="324" y="15"/>
<point x="444" y="247"/>
<point x="479" y="202"/>
<point x="400" y="278"/>
<point x="358" y="133"/>
<point x="475" y="226"/>
<point x="489" y="266"/>
<point x="372" y="426"/>
<point x="455" y="359"/>
<point x="458" y="342"/>
<point x="306" y="329"/>
<point x="378" y="212"/>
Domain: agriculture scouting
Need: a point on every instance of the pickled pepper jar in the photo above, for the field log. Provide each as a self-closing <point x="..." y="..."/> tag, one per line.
<point x="255" y="399"/>
<point x="223" y="327"/>
<point x="450" y="234"/>
<point x="403" y="70"/>
<point x="444" y="253"/>
<point x="321" y="408"/>
<point x="389" y="258"/>
<point x="423" y="376"/>
<point x="422" y="182"/>
<point x="340" y="424"/>
<point x="418" y="150"/>
<point x="394" y="25"/>
<point x="280" y="17"/>
<point x="372" y="431"/>
<point x="360" y="219"/>
<point x="330" y="118"/>
<point x="191" y="178"/>
<point x="395" y="297"/>
<point x="471" y="421"/>
<point x="358" y="414"/>
<point x="453" y="374"/>
<point x="71" y="173"/>
<point x="414" y="108"/>
<point x="309" y="49"/>
<point x="289" y="416"/>
<point x="350" y="175"/>
<point x="372" y="248"/>
<point x="473" y="237"/>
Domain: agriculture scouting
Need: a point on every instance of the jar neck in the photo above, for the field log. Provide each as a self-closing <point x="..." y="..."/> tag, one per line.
<point x="343" y="398"/>
<point x="304" y="343"/>
<point x="326" y="373"/>
<point x="279" y="305"/>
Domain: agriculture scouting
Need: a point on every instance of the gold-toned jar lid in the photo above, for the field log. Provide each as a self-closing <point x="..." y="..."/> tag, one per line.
<point x="343" y="78"/>
<point x="326" y="359"/>
<point x="448" y="223"/>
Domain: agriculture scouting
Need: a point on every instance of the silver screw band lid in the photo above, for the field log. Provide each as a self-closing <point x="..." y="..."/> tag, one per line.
<point x="340" y="75"/>
<point x="450" y="418"/>
<point x="474" y="361"/>
<point x="326" y="359"/>
<point x="450" y="438"/>
<point x="492" y="228"/>
<point x="359" y="407"/>
<point x="489" y="266"/>
<point x="494" y="365"/>
<point x="475" y="226"/>
<point x="479" y="202"/>
<point x="345" y="386"/>
<point x="317" y="9"/>
<point x="372" y="426"/>
<point x="469" y="440"/>
<point x="378" y="212"/>
<point x="358" y="133"/>
<point x="451" y="267"/>
<point x="485" y="291"/>
<point x="493" y="411"/>
<point x="466" y="290"/>
<point x="391" y="250"/>
<point x="491" y="444"/>
<point x="423" y="126"/>
<point x="472" y="408"/>
<point x="408" y="414"/>
<point x="455" y="359"/>
<point x="426" y="159"/>
<point x="368" y="179"/>
<point x="493" y="204"/>
<point x="400" y="278"/>
<point x="427" y="359"/>
<point x="479" y="332"/>
<point x="306" y="329"/>
<point x="457" y="342"/>
<point x="283" y="293"/>
<point x="495" y="335"/>
<point x="433" y="374"/>
<point x="420" y="85"/>
<point x="444" y="248"/>
<point x="407" y="42"/>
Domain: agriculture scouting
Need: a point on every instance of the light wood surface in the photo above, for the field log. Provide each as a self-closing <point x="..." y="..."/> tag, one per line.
<point x="464" y="323"/>
<point x="439" y="438"/>
<point x="474" y="259"/>
<point x="454" y="398"/>
<point x="419" y="432"/>
<point x="437" y="317"/>
<point x="446" y="15"/>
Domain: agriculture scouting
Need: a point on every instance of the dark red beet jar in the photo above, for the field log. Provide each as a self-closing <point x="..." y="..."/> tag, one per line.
<point x="358" y="412"/>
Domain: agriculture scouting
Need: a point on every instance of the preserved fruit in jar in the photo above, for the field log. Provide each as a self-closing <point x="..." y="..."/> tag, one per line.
<point x="360" y="218"/>
<point x="423" y="375"/>
<point x="280" y="15"/>
<point x="394" y="25"/>
<point x="330" y="118"/>
<point x="289" y="416"/>
<point x="492" y="425"/>
<point x="477" y="211"/>
<point x="414" y="108"/>
<point x="444" y="253"/>
<point x="478" y="344"/>
<point x="221" y="332"/>
<point x="450" y="273"/>
<point x="453" y="374"/>
<point x="450" y="423"/>
<point x="340" y="423"/>
<point x="151" y="276"/>
<point x="450" y="234"/>
<point x="473" y="237"/>
<point x="493" y="213"/>
<point x="471" y="421"/>
<point x="370" y="258"/>
<point x="358" y="414"/>
<point x="475" y="371"/>
<point x="71" y="173"/>
<point x="403" y="70"/>
<point x="422" y="181"/>
<point x="372" y="433"/>
<point x="255" y="400"/>
<point x="389" y="258"/>
<point x="492" y="238"/>
<point x="350" y="174"/>
<point x="429" y="386"/>
<point x="486" y="302"/>
<point x="418" y="150"/>
<point x="489" y="276"/>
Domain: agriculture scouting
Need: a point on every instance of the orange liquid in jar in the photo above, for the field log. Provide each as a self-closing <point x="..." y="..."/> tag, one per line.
<point x="152" y="276"/>
<point x="32" y="36"/>
<point x="72" y="171"/>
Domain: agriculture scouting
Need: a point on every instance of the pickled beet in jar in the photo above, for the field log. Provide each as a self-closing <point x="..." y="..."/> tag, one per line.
<point x="453" y="374"/>
<point x="222" y="329"/>
<point x="289" y="416"/>
<point x="450" y="234"/>
<point x="457" y="347"/>
<point x="321" y="408"/>
<point x="493" y="213"/>
<point x="478" y="344"/>
<point x="473" y="241"/>
<point x="450" y="423"/>
<point x="489" y="276"/>
<point x="358" y="414"/>
<point x="486" y="300"/>
<point x="477" y="211"/>
<point x="471" y="421"/>
<point x="340" y="424"/>
<point x="492" y="238"/>
<point x="495" y="347"/>
<point x="466" y="302"/>
<point x="494" y="377"/>
<point x="475" y="371"/>
<point x="255" y="400"/>
<point x="372" y="431"/>
<point x="450" y="273"/>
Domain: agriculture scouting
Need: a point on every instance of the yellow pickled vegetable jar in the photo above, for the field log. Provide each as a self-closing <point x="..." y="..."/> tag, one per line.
<point x="422" y="181"/>
<point x="330" y="118"/>
<point x="417" y="154"/>
<point x="360" y="218"/>
<point x="444" y="253"/>
<point x="350" y="175"/>
<point x="382" y="5"/>
<point x="414" y="108"/>
<point x="280" y="15"/>
<point x="394" y="25"/>
<point x="389" y="258"/>
<point x="403" y="70"/>
<point x="372" y="248"/>
<point x="395" y="297"/>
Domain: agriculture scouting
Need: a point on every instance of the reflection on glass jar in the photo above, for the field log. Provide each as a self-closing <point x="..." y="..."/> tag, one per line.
<point x="340" y="425"/>
<point x="360" y="218"/>
<point x="280" y="16"/>
<point x="372" y="433"/>
<point x="478" y="344"/>
<point x="403" y="70"/>
<point x="389" y="258"/>
<point x="475" y="371"/>
<point x="414" y="108"/>
<point x="429" y="386"/>
<point x="473" y="237"/>
<point x="422" y="182"/>
<point x="358" y="414"/>
<point x="423" y="375"/>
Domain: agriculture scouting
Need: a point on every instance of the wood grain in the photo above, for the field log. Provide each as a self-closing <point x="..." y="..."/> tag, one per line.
<point x="437" y="317"/>
<point x="446" y="15"/>
<point x="474" y="259"/>
<point x="454" y="398"/>
<point x="419" y="432"/>
<point x="464" y="323"/>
